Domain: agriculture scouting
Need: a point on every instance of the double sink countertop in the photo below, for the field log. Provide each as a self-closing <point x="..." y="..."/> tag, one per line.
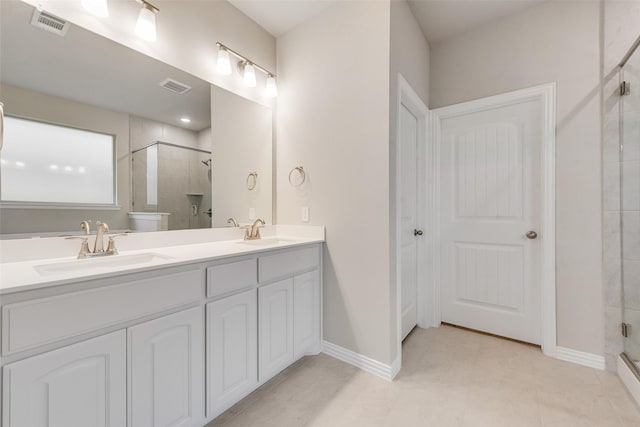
<point x="37" y="263"/>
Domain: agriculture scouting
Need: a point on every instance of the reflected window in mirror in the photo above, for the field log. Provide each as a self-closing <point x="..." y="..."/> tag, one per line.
<point x="43" y="163"/>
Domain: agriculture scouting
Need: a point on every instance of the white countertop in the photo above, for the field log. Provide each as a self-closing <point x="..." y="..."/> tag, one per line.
<point x="22" y="275"/>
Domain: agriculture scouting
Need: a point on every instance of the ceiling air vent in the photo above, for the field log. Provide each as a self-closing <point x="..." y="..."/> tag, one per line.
<point x="49" y="22"/>
<point x="175" y="86"/>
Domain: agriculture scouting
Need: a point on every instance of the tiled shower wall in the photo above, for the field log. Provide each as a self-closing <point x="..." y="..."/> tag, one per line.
<point x="621" y="176"/>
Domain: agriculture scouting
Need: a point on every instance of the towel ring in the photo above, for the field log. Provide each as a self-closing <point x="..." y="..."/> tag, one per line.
<point x="302" y="174"/>
<point x="252" y="180"/>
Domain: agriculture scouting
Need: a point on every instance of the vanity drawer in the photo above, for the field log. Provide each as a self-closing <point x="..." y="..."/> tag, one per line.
<point x="40" y="321"/>
<point x="234" y="276"/>
<point x="287" y="264"/>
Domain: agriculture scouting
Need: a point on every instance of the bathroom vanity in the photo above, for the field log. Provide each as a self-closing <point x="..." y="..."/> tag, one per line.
<point x="161" y="336"/>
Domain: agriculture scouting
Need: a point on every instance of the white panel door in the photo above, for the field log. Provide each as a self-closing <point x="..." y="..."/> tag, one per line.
<point x="408" y="140"/>
<point x="82" y="385"/>
<point x="232" y="350"/>
<point x="306" y="313"/>
<point x="166" y="371"/>
<point x="490" y="197"/>
<point x="275" y="328"/>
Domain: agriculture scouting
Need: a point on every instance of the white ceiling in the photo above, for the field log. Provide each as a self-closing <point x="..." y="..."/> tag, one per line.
<point x="280" y="16"/>
<point x="438" y="19"/>
<point x="443" y="19"/>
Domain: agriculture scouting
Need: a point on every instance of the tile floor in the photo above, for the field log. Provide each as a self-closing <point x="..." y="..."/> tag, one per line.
<point x="450" y="377"/>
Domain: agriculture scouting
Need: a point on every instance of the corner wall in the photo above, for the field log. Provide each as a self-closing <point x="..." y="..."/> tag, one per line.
<point x="409" y="56"/>
<point x="553" y="41"/>
<point x="333" y="119"/>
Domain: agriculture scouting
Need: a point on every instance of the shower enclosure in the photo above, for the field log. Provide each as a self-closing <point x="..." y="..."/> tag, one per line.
<point x="173" y="179"/>
<point x="630" y="204"/>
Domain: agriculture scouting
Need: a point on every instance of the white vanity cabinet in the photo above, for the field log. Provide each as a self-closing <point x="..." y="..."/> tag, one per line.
<point x="289" y="322"/>
<point x="166" y="371"/>
<point x="81" y="385"/>
<point x="276" y="327"/>
<point x="306" y="314"/>
<point x="130" y="350"/>
<point x="232" y="348"/>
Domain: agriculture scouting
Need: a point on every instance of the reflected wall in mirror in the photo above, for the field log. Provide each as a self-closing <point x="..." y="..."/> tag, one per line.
<point x="82" y="80"/>
<point x="242" y="159"/>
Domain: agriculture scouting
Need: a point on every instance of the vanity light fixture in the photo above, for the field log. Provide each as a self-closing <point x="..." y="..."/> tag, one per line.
<point x="146" y="25"/>
<point x="271" y="90"/>
<point x="99" y="8"/>
<point x="246" y="68"/>
<point x="248" y="73"/>
<point x="224" y="64"/>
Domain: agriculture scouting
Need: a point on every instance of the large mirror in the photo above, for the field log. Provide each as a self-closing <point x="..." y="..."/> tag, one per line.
<point x="186" y="154"/>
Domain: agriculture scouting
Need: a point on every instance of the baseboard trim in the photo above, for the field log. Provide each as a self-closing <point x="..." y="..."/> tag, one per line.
<point x="580" y="357"/>
<point x="387" y="372"/>
<point x="629" y="379"/>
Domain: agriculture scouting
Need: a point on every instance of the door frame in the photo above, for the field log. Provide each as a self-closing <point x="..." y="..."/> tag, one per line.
<point x="545" y="93"/>
<point x="409" y="98"/>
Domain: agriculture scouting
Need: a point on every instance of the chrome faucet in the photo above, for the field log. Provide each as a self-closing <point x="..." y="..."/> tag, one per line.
<point x="253" y="232"/>
<point x="233" y="222"/>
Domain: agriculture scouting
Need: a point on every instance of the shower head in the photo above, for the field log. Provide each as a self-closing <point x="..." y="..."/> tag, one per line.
<point x="206" y="162"/>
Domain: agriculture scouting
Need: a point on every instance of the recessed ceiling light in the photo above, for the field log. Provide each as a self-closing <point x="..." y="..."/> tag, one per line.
<point x="68" y="168"/>
<point x="185" y="120"/>
<point x="20" y="164"/>
<point x="53" y="167"/>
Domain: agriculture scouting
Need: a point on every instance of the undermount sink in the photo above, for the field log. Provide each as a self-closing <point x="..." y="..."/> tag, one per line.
<point x="97" y="264"/>
<point x="269" y="241"/>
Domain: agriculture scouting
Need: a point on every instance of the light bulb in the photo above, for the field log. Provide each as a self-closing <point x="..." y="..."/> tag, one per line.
<point x="98" y="8"/>
<point x="249" y="75"/>
<point x="271" y="90"/>
<point x="224" y="64"/>
<point x="146" y="25"/>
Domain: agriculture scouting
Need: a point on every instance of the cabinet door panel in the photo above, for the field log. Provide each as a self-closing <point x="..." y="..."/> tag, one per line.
<point x="232" y="328"/>
<point x="276" y="327"/>
<point x="166" y="371"/>
<point x="306" y="313"/>
<point x="82" y="385"/>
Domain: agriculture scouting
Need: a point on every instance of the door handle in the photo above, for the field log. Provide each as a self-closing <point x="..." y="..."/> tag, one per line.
<point x="531" y="234"/>
<point x="417" y="232"/>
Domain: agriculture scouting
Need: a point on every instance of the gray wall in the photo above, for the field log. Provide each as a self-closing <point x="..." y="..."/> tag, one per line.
<point x="551" y="42"/>
<point x="333" y="119"/>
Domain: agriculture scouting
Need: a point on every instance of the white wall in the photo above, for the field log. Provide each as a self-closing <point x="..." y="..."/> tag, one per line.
<point x="333" y="119"/>
<point x="409" y="56"/>
<point x="187" y="33"/>
<point x="554" y="41"/>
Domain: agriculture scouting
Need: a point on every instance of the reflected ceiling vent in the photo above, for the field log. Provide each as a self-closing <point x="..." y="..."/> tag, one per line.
<point x="175" y="86"/>
<point x="49" y="22"/>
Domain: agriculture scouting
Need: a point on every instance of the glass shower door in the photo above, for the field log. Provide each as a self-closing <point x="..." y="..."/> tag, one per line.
<point x="630" y="204"/>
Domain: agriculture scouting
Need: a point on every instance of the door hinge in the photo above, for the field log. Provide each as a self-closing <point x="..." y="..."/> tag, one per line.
<point x="626" y="330"/>
<point x="625" y="88"/>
